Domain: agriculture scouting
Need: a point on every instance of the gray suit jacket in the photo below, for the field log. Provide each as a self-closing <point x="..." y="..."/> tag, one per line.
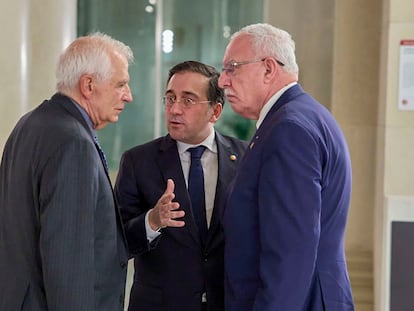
<point x="61" y="241"/>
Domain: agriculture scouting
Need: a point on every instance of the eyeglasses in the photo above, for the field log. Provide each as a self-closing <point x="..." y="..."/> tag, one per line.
<point x="231" y="66"/>
<point x="186" y="102"/>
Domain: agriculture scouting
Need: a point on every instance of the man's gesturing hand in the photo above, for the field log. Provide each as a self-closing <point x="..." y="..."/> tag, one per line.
<point x="165" y="211"/>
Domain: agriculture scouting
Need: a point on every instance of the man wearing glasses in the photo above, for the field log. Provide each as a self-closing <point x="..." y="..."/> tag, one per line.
<point x="286" y="211"/>
<point x="170" y="212"/>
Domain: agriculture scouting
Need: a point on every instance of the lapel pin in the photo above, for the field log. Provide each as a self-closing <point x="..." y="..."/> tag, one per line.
<point x="233" y="157"/>
<point x="252" y="143"/>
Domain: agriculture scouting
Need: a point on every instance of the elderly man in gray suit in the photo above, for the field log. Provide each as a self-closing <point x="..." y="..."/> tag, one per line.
<point x="62" y="245"/>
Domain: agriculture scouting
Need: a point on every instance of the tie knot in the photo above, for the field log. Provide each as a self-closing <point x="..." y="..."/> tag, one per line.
<point x="196" y="152"/>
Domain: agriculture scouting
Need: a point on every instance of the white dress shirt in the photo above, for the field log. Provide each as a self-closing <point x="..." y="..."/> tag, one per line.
<point x="209" y="160"/>
<point x="266" y="108"/>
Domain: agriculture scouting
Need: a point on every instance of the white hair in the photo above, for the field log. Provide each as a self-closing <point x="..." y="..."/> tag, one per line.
<point x="268" y="40"/>
<point x="88" y="55"/>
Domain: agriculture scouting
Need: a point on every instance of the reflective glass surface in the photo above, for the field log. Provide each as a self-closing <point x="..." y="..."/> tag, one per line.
<point x="162" y="33"/>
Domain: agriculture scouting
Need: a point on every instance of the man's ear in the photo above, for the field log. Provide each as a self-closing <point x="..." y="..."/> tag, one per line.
<point x="217" y="109"/>
<point x="271" y="67"/>
<point x="86" y="85"/>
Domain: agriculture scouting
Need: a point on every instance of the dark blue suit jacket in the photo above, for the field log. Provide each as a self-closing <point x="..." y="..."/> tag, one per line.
<point x="172" y="272"/>
<point x="286" y="212"/>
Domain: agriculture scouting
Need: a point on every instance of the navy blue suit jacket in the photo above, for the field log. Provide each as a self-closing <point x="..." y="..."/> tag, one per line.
<point x="172" y="272"/>
<point x="286" y="212"/>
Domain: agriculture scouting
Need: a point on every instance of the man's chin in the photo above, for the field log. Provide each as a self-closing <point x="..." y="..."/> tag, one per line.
<point x="114" y="119"/>
<point x="235" y="107"/>
<point x="174" y="135"/>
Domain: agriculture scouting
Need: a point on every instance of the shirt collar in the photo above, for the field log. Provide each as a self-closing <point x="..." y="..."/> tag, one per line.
<point x="209" y="143"/>
<point x="266" y="108"/>
<point x="84" y="115"/>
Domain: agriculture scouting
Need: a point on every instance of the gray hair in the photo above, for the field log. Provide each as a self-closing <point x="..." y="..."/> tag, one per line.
<point x="268" y="40"/>
<point x="89" y="55"/>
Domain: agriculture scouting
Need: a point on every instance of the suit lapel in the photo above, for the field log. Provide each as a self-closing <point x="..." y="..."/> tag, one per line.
<point x="227" y="165"/>
<point x="168" y="160"/>
<point x="285" y="98"/>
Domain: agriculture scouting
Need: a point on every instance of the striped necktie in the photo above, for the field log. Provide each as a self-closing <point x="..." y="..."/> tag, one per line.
<point x="101" y="153"/>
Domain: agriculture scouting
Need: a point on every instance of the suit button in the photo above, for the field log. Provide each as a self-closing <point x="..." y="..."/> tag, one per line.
<point x="123" y="264"/>
<point x="121" y="299"/>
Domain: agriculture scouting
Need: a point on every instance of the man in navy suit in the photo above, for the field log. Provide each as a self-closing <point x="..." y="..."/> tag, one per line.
<point x="62" y="245"/>
<point x="175" y="268"/>
<point x="286" y="211"/>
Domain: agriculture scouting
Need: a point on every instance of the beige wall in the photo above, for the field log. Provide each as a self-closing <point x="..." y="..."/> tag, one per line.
<point x="395" y="151"/>
<point x="311" y="24"/>
<point x="33" y="33"/>
<point x="355" y="97"/>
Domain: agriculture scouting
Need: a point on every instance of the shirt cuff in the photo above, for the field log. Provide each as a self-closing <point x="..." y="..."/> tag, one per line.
<point x="151" y="234"/>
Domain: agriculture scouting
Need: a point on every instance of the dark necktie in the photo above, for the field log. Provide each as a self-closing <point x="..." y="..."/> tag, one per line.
<point x="196" y="191"/>
<point x="101" y="153"/>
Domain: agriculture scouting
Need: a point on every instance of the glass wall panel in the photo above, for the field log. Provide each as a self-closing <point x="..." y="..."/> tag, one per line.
<point x="161" y="34"/>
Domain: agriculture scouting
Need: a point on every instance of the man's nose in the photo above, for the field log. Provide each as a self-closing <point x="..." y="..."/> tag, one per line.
<point x="223" y="80"/>
<point x="176" y="107"/>
<point x="127" y="97"/>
